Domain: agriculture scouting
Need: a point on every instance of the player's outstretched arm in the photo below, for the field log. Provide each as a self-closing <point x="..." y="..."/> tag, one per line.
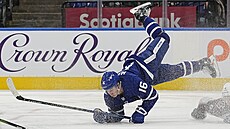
<point x="149" y="97"/>
<point x="200" y="112"/>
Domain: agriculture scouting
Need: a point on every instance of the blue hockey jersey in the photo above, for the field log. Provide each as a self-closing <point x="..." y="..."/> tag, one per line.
<point x="136" y="83"/>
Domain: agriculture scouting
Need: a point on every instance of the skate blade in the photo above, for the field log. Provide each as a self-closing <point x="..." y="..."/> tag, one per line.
<point x="134" y="10"/>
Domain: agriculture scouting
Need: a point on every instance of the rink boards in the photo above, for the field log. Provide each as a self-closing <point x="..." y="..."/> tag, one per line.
<point x="89" y="83"/>
<point x="51" y="59"/>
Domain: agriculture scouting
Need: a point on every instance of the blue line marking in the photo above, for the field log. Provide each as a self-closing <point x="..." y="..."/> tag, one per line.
<point x="111" y="29"/>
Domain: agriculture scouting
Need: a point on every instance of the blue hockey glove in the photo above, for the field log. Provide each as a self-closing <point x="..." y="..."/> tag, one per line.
<point x="137" y="118"/>
<point x="105" y="117"/>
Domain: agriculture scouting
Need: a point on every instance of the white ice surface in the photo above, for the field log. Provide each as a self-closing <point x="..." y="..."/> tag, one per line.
<point x="172" y="111"/>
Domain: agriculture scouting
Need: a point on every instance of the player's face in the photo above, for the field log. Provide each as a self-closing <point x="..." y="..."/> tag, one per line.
<point x="114" y="91"/>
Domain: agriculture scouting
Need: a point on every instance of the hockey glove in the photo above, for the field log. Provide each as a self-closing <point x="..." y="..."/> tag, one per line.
<point x="198" y="114"/>
<point x="105" y="117"/>
<point x="137" y="118"/>
<point x="227" y="119"/>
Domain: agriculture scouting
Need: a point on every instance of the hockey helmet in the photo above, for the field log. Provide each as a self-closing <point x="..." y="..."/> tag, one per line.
<point x="109" y="79"/>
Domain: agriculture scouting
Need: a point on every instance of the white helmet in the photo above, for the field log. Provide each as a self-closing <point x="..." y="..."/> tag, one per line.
<point x="226" y="90"/>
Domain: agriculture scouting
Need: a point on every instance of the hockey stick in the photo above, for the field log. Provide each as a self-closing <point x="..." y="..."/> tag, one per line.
<point x="12" y="124"/>
<point x="12" y="88"/>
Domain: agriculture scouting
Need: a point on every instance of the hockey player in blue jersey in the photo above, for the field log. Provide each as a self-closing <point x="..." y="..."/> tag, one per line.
<point x="142" y="71"/>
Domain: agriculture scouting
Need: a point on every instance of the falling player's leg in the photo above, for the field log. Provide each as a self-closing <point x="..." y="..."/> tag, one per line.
<point x="168" y="72"/>
<point x="155" y="51"/>
<point x="142" y="13"/>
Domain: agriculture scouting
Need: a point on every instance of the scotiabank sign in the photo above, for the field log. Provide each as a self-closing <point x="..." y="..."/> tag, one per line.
<point x="122" y="18"/>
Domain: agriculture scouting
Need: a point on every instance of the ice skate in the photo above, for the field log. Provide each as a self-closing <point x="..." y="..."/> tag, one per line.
<point x="142" y="10"/>
<point x="210" y="66"/>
